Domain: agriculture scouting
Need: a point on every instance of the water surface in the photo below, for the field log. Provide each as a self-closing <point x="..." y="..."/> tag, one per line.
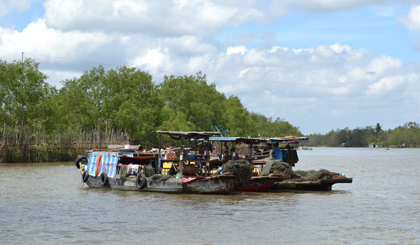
<point x="43" y="203"/>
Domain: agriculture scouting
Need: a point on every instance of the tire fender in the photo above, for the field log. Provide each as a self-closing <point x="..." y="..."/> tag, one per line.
<point x="85" y="176"/>
<point x="78" y="160"/>
<point x="141" y="181"/>
<point x="103" y="179"/>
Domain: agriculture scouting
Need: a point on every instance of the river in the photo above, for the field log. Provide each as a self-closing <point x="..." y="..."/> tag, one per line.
<point x="41" y="203"/>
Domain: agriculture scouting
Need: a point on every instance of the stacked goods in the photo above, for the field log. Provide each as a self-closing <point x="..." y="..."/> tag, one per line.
<point x="167" y="165"/>
<point x="171" y="155"/>
<point x="166" y="168"/>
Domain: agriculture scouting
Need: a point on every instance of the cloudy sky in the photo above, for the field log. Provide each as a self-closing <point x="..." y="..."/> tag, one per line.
<point x="319" y="64"/>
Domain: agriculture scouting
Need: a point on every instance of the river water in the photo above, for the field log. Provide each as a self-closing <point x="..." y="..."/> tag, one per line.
<point x="42" y="204"/>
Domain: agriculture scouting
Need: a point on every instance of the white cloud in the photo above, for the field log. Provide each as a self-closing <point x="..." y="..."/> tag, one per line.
<point x="188" y="45"/>
<point x="384" y="85"/>
<point x="236" y="50"/>
<point x="168" y="18"/>
<point x="6" y="6"/>
<point x="340" y="48"/>
<point x="39" y="39"/>
<point x="334" y="5"/>
<point x="385" y="65"/>
<point x="153" y="60"/>
<point x="412" y="20"/>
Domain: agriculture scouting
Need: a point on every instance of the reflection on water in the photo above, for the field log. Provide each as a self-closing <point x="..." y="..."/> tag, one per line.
<point x="42" y="203"/>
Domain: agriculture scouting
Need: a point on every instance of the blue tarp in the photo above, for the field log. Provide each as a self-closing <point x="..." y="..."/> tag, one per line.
<point x="108" y="163"/>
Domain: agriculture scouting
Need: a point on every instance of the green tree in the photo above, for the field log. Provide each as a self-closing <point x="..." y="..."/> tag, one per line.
<point x="200" y="103"/>
<point x="22" y="89"/>
<point x="378" y="128"/>
<point x="124" y="98"/>
<point x="266" y="127"/>
<point x="237" y="118"/>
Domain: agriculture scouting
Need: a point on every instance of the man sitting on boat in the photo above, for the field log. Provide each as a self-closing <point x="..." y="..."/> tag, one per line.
<point x="277" y="153"/>
<point x="256" y="150"/>
<point x="225" y="157"/>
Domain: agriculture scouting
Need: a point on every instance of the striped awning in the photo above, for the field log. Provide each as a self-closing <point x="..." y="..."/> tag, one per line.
<point x="107" y="163"/>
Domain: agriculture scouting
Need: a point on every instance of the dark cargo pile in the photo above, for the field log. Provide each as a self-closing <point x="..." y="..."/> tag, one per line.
<point x="283" y="168"/>
<point x="280" y="168"/>
<point x="242" y="169"/>
<point x="313" y="175"/>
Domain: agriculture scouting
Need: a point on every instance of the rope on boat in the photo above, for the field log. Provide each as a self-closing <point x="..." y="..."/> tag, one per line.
<point x="81" y="183"/>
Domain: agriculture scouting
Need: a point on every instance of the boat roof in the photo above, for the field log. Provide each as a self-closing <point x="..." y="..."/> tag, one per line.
<point x="257" y="140"/>
<point x="228" y="139"/>
<point x="193" y="134"/>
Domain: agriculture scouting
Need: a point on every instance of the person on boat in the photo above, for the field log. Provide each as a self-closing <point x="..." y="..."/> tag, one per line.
<point x="267" y="148"/>
<point x="225" y="157"/>
<point x="256" y="150"/>
<point x="234" y="155"/>
<point x="277" y="153"/>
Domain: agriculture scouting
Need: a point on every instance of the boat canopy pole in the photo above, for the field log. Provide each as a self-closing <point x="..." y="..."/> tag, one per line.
<point x="181" y="156"/>
<point x="207" y="157"/>
<point x="231" y="152"/>
<point x="250" y="150"/>
<point x="195" y="142"/>
<point x="160" y="157"/>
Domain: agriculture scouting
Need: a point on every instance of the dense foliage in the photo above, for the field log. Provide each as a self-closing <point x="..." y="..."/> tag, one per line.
<point x="407" y="135"/>
<point x="41" y="123"/>
<point x="121" y="104"/>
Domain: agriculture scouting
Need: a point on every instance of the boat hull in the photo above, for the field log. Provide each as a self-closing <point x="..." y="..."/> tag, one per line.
<point x="129" y="183"/>
<point x="319" y="185"/>
<point x="254" y="187"/>
<point x="211" y="185"/>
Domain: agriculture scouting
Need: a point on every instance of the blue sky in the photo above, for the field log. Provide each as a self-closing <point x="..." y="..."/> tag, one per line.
<point x="319" y="64"/>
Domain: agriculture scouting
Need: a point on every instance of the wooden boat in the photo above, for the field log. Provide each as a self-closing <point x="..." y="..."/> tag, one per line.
<point x="100" y="170"/>
<point x="289" y="156"/>
<point x="259" y="183"/>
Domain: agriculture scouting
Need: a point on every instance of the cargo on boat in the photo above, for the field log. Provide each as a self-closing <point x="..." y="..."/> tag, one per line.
<point x="258" y="158"/>
<point x="274" y="165"/>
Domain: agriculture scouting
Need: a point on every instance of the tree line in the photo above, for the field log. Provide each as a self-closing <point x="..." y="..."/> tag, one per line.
<point x="39" y="122"/>
<point x="407" y="135"/>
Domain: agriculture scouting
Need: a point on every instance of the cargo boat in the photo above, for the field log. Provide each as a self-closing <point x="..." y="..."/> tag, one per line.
<point x="271" y="181"/>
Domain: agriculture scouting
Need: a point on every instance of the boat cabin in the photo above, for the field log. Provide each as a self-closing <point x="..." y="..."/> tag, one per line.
<point x="179" y="160"/>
